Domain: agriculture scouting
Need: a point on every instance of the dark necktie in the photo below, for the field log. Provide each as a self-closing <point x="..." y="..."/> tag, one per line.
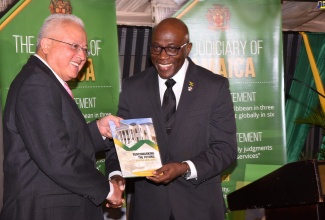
<point x="169" y="104"/>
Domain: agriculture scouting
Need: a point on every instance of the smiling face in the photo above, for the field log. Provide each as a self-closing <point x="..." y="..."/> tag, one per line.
<point x="170" y="32"/>
<point x="61" y="57"/>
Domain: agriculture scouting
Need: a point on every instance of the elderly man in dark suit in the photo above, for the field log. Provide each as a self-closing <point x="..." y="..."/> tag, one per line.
<point x="195" y="126"/>
<point x="49" y="149"/>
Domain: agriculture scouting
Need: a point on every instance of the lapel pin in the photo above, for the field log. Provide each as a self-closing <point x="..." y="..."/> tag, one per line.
<point x="190" y="86"/>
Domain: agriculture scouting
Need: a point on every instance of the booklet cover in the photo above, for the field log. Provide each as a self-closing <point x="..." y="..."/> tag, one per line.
<point x="136" y="146"/>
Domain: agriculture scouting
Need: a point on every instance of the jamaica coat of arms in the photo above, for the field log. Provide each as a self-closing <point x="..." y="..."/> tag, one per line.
<point x="60" y="7"/>
<point x="218" y="17"/>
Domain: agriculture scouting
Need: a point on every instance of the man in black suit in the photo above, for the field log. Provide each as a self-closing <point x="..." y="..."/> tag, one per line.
<point x="49" y="149"/>
<point x="197" y="142"/>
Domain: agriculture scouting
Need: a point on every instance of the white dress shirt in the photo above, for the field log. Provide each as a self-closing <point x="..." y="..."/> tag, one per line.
<point x="179" y="78"/>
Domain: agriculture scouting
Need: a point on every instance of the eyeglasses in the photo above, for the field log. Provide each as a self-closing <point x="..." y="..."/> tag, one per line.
<point x="75" y="47"/>
<point x="170" y="51"/>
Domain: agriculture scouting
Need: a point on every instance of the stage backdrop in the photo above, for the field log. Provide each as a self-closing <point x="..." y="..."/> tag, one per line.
<point x="97" y="87"/>
<point x="242" y="40"/>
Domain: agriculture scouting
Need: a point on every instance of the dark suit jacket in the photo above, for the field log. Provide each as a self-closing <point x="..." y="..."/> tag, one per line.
<point x="49" y="152"/>
<point x="203" y="131"/>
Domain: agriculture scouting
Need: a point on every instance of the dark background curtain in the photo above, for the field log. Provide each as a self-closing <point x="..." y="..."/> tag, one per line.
<point x="134" y="53"/>
<point x="292" y="42"/>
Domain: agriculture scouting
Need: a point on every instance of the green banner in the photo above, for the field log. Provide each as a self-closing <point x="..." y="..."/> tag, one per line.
<point x="303" y="101"/>
<point x="242" y="40"/>
<point x="97" y="87"/>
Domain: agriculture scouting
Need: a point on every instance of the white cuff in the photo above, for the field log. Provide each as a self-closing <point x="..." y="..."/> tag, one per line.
<point x="116" y="172"/>
<point x="111" y="190"/>
<point x="193" y="169"/>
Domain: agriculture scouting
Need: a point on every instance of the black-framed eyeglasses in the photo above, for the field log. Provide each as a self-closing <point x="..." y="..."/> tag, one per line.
<point x="170" y="51"/>
<point x="75" y="47"/>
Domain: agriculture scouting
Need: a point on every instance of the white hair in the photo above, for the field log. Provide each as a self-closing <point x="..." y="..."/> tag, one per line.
<point x="55" y="20"/>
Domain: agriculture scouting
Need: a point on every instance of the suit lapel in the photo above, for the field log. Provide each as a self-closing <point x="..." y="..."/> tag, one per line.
<point x="188" y="95"/>
<point x="189" y="92"/>
<point x="56" y="81"/>
<point x="153" y="93"/>
<point x="154" y="96"/>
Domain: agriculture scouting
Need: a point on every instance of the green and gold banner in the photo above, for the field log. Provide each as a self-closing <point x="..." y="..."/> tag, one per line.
<point x="242" y="40"/>
<point x="97" y="87"/>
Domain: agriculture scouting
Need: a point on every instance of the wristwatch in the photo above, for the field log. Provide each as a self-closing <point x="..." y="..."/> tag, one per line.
<point x="187" y="174"/>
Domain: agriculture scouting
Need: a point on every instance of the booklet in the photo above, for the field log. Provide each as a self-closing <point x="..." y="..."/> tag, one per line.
<point x="136" y="146"/>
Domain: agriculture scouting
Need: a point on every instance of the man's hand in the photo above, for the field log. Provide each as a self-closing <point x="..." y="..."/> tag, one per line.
<point x="168" y="173"/>
<point x="120" y="181"/>
<point x="116" y="199"/>
<point x="103" y="125"/>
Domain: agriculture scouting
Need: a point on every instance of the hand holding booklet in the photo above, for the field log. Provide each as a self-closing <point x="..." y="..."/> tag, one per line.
<point x="136" y="147"/>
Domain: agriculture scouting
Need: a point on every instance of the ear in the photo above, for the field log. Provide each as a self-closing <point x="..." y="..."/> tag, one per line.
<point x="188" y="48"/>
<point x="45" y="45"/>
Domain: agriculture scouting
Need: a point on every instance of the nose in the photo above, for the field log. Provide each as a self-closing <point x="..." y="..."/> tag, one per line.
<point x="82" y="54"/>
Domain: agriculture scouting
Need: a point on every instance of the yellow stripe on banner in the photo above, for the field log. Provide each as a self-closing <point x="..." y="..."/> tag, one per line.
<point x="187" y="9"/>
<point x="318" y="81"/>
<point x="14" y="14"/>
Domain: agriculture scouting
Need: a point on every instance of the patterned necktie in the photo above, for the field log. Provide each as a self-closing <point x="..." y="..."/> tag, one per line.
<point x="169" y="104"/>
<point x="66" y="86"/>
